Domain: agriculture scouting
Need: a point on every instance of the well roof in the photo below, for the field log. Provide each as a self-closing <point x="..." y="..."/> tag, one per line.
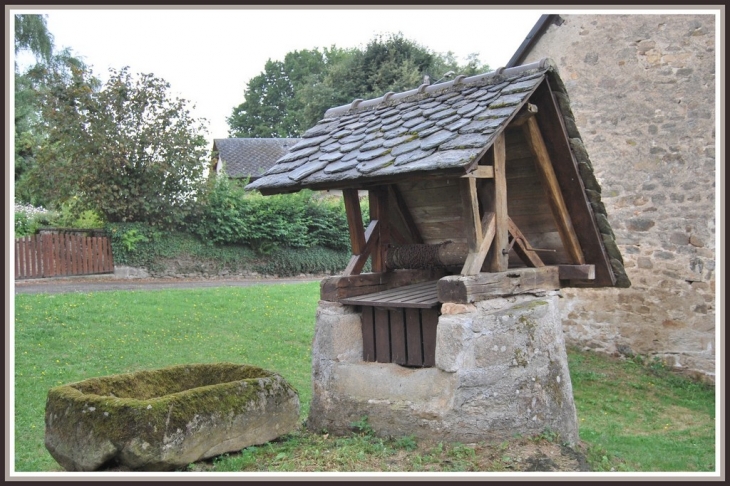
<point x="441" y="127"/>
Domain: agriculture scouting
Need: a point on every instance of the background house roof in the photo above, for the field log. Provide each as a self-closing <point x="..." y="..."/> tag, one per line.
<point x="441" y="127"/>
<point x="250" y="157"/>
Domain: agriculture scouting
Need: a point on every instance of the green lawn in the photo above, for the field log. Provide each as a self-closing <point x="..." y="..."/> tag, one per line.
<point x="633" y="417"/>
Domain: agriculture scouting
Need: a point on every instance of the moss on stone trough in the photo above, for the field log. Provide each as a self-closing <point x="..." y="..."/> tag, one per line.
<point x="167" y="418"/>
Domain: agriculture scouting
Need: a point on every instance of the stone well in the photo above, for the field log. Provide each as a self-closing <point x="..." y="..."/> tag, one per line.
<point x="501" y="369"/>
<point x="165" y="419"/>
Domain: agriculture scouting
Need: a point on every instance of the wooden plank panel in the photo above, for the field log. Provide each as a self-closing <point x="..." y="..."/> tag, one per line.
<point x="87" y="252"/>
<point x="422" y="295"/>
<point x="401" y="208"/>
<point x="64" y="251"/>
<point x="429" y="322"/>
<point x="398" y="336"/>
<point x="335" y="288"/>
<point x="368" y="334"/>
<point x="445" y="231"/>
<point x="25" y="256"/>
<point x="19" y="249"/>
<point x="382" y="336"/>
<point x="427" y="185"/>
<point x="414" y="337"/>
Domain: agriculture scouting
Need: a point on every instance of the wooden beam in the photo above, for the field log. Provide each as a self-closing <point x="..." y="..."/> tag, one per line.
<point x="470" y="213"/>
<point x="357" y="262"/>
<point x="528" y="111"/>
<point x="522" y="247"/>
<point x="473" y="288"/>
<point x="577" y="272"/>
<point x="332" y="289"/>
<point x="475" y="260"/>
<point x="354" y="220"/>
<point x="481" y="172"/>
<point x="495" y="200"/>
<point x="402" y="209"/>
<point x="552" y="190"/>
<point x="378" y="198"/>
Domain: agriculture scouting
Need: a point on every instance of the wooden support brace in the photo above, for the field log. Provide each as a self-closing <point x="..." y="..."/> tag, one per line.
<point x="481" y="172"/>
<point x="357" y="261"/>
<point x="552" y="190"/>
<point x="522" y="247"/>
<point x="475" y="259"/>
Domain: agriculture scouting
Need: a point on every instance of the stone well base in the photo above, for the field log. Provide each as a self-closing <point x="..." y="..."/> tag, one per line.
<point x="501" y="370"/>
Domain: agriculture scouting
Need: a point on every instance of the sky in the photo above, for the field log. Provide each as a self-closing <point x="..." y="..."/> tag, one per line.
<point x="209" y="55"/>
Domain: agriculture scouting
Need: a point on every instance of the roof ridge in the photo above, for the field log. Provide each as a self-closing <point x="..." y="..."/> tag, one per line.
<point x="544" y="63"/>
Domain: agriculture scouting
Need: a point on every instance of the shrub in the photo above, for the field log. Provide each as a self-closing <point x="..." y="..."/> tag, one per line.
<point x="230" y="215"/>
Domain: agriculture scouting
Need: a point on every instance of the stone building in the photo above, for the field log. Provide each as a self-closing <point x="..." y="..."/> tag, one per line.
<point x="642" y="94"/>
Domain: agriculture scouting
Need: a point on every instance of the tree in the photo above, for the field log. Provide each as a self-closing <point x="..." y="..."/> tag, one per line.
<point x="31" y="32"/>
<point x="291" y="96"/>
<point x="127" y="150"/>
<point x="29" y="131"/>
<point x="272" y="107"/>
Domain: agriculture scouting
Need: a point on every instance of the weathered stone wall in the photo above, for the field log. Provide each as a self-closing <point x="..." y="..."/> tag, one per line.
<point x="642" y="90"/>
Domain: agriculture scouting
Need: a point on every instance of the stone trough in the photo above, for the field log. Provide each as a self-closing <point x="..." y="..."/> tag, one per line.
<point x="165" y="419"/>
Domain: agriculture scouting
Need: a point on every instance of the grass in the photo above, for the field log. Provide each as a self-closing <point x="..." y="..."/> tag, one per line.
<point x="633" y="416"/>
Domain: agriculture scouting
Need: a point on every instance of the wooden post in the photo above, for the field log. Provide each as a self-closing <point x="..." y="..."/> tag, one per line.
<point x="378" y="198"/>
<point x="494" y="198"/>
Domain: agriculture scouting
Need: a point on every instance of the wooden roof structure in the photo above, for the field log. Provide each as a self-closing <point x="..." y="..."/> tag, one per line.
<point x="481" y="174"/>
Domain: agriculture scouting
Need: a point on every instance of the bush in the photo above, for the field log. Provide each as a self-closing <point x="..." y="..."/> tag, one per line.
<point x="29" y="219"/>
<point x="230" y="215"/>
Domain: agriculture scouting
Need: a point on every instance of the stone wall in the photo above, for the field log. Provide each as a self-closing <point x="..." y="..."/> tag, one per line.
<point x="642" y="90"/>
<point x="501" y="369"/>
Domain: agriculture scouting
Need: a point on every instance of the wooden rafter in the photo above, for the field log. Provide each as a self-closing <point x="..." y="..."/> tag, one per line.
<point x="552" y="190"/>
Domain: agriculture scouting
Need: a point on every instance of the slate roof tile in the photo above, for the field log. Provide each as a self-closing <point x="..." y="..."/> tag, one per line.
<point x="436" y="139"/>
<point x="375" y="164"/>
<point x="412" y="156"/>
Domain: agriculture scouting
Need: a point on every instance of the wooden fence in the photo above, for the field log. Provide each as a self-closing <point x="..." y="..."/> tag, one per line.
<point x="62" y="254"/>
